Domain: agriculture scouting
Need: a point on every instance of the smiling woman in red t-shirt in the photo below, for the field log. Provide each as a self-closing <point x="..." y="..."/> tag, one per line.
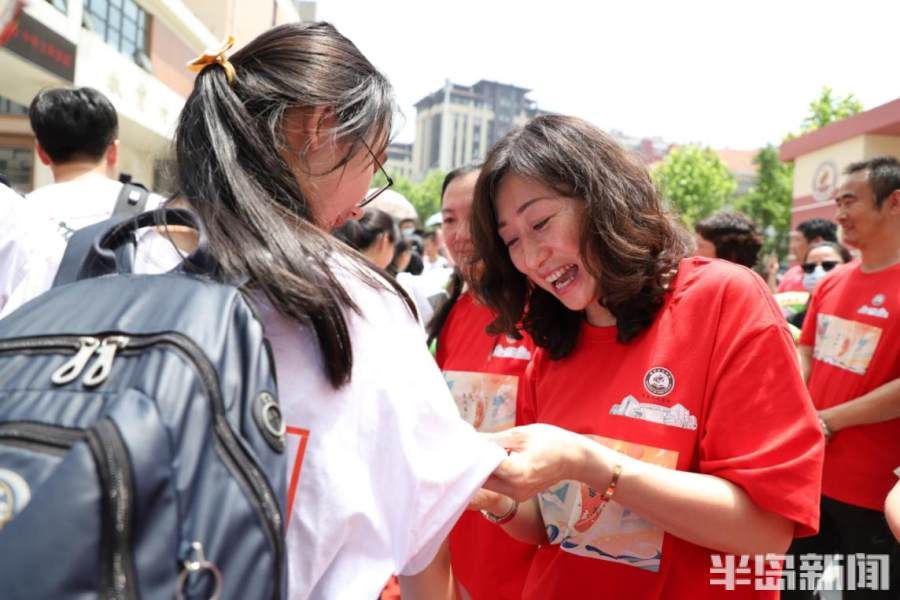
<point x="484" y="373"/>
<point x="670" y="423"/>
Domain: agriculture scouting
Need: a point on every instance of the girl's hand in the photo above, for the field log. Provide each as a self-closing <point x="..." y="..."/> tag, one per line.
<point x="539" y="456"/>
<point x="490" y="501"/>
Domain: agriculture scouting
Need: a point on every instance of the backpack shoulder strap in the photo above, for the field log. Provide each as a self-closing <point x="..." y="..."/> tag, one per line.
<point x="131" y="201"/>
<point x="78" y="249"/>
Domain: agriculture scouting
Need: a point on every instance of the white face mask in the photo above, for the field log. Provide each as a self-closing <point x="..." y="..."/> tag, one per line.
<point x="811" y="279"/>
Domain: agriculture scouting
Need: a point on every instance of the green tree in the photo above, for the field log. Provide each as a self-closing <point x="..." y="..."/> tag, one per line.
<point x="424" y="195"/>
<point x="828" y="108"/>
<point x="769" y="201"/>
<point x="695" y="182"/>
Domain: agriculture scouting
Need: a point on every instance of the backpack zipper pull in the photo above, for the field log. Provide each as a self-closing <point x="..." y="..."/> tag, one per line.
<point x="99" y="371"/>
<point x="73" y="367"/>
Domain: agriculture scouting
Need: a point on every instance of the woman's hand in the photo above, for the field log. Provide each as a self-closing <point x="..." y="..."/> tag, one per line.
<point x="539" y="456"/>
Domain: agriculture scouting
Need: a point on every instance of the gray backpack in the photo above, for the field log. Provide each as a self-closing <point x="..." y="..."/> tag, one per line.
<point x="141" y="442"/>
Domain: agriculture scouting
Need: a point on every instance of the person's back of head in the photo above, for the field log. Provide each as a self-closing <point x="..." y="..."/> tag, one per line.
<point x="374" y="235"/>
<point x="275" y="147"/>
<point x="415" y="265"/>
<point x="402" y="255"/>
<point x="734" y="235"/>
<point x="73" y="124"/>
<point x="818" y="230"/>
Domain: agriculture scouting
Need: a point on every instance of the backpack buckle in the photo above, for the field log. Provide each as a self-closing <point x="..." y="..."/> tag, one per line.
<point x="196" y="566"/>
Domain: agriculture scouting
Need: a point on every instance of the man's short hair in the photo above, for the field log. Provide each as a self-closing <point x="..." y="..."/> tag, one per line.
<point x="73" y="123"/>
<point x="818" y="228"/>
<point x="884" y="176"/>
<point x="734" y="235"/>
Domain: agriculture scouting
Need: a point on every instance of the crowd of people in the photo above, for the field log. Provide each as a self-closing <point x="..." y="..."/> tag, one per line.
<point x="569" y="395"/>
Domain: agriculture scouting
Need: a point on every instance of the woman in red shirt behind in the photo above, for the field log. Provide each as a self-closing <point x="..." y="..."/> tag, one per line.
<point x="484" y="373"/>
<point x="670" y="428"/>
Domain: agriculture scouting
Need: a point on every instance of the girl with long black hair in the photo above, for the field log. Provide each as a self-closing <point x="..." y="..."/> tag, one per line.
<point x="276" y="146"/>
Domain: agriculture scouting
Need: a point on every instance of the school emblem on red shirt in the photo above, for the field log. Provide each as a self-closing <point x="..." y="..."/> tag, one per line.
<point x="659" y="381"/>
<point x="876" y="309"/>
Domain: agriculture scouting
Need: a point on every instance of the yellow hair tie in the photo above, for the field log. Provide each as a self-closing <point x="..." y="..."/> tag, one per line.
<point x="210" y="57"/>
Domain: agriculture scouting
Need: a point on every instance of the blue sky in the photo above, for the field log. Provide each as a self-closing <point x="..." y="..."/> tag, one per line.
<point x="732" y="73"/>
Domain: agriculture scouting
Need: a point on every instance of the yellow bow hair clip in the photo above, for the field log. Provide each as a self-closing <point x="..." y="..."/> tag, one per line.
<point x="211" y="57"/>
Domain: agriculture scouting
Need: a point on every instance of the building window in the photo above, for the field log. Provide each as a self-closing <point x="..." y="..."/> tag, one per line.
<point x="59" y="5"/>
<point x="8" y="107"/>
<point x="434" y="154"/>
<point x="17" y="165"/>
<point x="122" y="24"/>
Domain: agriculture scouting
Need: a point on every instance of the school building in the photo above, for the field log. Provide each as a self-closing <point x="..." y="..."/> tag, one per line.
<point x="821" y="156"/>
<point x="132" y="51"/>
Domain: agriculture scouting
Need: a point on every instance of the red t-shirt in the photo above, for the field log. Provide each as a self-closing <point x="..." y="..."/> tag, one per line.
<point x="484" y="374"/>
<point x="792" y="280"/>
<point x="711" y="387"/>
<point x="853" y="326"/>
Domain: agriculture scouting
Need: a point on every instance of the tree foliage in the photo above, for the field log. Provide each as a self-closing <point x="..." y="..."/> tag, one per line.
<point x="695" y="182"/>
<point x="424" y="195"/>
<point x="769" y="201"/>
<point x="828" y="108"/>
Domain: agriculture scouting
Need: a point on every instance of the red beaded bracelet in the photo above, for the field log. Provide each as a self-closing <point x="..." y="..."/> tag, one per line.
<point x="608" y="494"/>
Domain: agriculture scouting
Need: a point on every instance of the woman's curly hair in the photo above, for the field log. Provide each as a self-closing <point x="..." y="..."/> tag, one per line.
<point x="629" y="241"/>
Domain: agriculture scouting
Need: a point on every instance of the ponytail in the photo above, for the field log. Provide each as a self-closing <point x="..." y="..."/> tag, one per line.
<point x="233" y="172"/>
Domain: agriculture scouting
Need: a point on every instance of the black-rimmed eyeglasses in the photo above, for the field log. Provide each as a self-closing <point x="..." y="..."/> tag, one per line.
<point x="375" y="193"/>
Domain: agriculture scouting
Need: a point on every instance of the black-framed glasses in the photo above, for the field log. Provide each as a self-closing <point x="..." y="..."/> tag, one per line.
<point x="375" y="193"/>
<point x="827" y="265"/>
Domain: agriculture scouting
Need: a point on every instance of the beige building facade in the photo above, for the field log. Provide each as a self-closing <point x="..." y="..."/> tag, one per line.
<point x="820" y="157"/>
<point x="457" y="124"/>
<point x="399" y="160"/>
<point x="132" y="51"/>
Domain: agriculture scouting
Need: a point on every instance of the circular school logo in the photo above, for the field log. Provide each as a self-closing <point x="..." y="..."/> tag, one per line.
<point x="659" y="381"/>
<point x="824" y="181"/>
<point x="14" y="495"/>
<point x="878" y="300"/>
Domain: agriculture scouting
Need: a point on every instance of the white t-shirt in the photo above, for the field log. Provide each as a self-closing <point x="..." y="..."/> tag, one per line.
<point x="427" y="290"/>
<point x="29" y="251"/>
<point x="52" y="213"/>
<point x="380" y="469"/>
<point x="83" y="201"/>
<point x="386" y="464"/>
<point x="438" y="263"/>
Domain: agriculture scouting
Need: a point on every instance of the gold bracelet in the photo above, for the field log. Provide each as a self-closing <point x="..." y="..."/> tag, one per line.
<point x="504" y="518"/>
<point x="608" y="494"/>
